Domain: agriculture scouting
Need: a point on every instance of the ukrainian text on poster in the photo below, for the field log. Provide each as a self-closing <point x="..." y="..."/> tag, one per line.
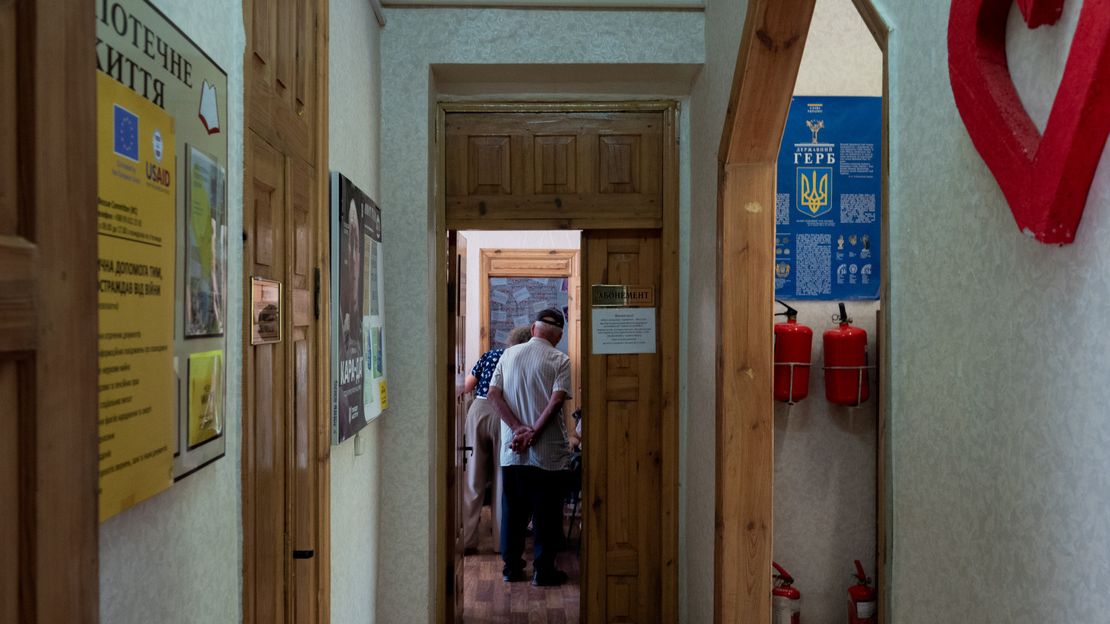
<point x="135" y="249"/>
<point x="828" y="207"/>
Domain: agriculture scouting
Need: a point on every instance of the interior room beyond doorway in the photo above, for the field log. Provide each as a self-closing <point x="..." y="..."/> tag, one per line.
<point x="509" y="276"/>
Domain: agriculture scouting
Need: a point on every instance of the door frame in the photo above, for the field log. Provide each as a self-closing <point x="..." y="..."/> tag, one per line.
<point x="767" y="64"/>
<point x="669" y="332"/>
<point x="322" y="364"/>
<point x="520" y="259"/>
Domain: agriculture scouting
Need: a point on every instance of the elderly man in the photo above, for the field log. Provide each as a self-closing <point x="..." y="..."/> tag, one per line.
<point x="528" y="388"/>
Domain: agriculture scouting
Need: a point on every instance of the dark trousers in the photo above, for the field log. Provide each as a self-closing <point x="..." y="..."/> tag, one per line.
<point x="530" y="492"/>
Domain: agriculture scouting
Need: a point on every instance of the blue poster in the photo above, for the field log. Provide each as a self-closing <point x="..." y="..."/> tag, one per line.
<point x="829" y="198"/>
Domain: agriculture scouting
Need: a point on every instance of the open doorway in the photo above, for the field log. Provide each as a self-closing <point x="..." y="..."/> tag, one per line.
<point x="608" y="170"/>
<point x="771" y="50"/>
<point x="505" y="278"/>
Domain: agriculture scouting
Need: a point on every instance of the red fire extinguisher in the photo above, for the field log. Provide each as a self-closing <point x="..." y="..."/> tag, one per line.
<point x="846" y="379"/>
<point x="861" y="599"/>
<point x="793" y="346"/>
<point x="786" y="600"/>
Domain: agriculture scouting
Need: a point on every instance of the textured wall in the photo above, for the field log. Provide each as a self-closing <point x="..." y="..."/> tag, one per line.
<point x="177" y="557"/>
<point x="412" y="41"/>
<point x="724" y="21"/>
<point x="825" y="454"/>
<point x="476" y="241"/>
<point x="999" y="427"/>
<point x="354" y="130"/>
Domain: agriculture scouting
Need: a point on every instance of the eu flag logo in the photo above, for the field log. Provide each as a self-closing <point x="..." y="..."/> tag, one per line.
<point x="126" y="140"/>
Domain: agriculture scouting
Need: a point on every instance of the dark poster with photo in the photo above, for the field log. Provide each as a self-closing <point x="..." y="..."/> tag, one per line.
<point x="353" y="223"/>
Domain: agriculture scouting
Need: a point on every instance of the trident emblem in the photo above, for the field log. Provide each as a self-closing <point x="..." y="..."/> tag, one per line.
<point x="815" y="127"/>
<point x="815" y="193"/>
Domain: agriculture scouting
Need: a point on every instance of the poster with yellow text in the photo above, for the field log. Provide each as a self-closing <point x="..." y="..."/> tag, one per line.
<point x="135" y="249"/>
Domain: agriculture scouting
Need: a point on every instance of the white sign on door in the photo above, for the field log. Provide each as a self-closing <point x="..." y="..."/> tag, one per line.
<point x="623" y="330"/>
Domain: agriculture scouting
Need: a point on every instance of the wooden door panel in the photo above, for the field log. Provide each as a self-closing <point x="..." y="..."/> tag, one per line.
<point x="623" y="426"/>
<point x="12" y="412"/>
<point x="264" y="457"/>
<point x="302" y="345"/>
<point x="556" y="164"/>
<point x="580" y="167"/>
<point x="9" y="173"/>
<point x="283" y="74"/>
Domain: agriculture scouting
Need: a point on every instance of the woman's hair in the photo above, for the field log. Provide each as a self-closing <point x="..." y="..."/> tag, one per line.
<point x="520" y="335"/>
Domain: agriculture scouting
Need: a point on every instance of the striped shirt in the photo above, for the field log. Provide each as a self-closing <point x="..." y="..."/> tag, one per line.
<point x="528" y="375"/>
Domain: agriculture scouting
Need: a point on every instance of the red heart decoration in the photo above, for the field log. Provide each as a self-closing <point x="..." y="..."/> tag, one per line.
<point x="1046" y="179"/>
<point x="1040" y="12"/>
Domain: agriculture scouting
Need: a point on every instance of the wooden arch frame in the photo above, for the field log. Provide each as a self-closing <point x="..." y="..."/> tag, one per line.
<point x="767" y="66"/>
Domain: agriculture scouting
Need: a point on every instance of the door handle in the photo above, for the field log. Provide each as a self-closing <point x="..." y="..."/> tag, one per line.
<point x="304" y="554"/>
<point x="466" y="449"/>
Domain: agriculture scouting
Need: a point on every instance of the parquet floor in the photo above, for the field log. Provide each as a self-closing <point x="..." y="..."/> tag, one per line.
<point x="489" y="600"/>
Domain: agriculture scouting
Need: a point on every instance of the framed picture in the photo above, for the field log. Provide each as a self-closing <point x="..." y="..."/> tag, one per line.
<point x="205" y="245"/>
<point x="265" y="311"/>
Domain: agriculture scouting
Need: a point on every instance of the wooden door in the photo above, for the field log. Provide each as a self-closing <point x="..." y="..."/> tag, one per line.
<point x="623" y="442"/>
<point x="281" y="57"/>
<point x="264" y="450"/>
<point x="284" y="421"/>
<point x="462" y="446"/>
<point x="48" y="312"/>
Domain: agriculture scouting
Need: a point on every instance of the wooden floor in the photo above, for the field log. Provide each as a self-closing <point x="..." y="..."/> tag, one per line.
<point x="489" y="600"/>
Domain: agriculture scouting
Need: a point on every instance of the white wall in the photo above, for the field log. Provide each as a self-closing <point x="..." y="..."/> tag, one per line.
<point x="724" y="21"/>
<point x="825" y="455"/>
<point x="999" y="425"/>
<point x="413" y="41"/>
<point x="354" y="131"/>
<point x="177" y="557"/>
<point x="476" y="241"/>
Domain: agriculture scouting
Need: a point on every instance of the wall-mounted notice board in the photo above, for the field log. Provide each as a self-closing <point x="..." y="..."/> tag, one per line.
<point x="162" y="158"/>
<point x="515" y="301"/>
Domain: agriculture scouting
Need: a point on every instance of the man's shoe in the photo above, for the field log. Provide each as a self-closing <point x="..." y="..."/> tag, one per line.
<point x="551" y="578"/>
<point x="513" y="576"/>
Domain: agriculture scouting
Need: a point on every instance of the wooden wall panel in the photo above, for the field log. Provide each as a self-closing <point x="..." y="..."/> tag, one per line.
<point x="583" y="169"/>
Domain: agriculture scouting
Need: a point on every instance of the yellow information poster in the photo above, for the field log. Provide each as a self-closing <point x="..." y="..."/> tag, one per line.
<point x="135" y="248"/>
<point x="206" y="396"/>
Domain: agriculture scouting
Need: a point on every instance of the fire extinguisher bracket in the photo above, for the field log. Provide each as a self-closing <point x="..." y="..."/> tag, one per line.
<point x="791" y="365"/>
<point x="862" y="370"/>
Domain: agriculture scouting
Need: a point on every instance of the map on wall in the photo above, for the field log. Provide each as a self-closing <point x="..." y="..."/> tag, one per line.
<point x="828" y="206"/>
<point x="515" y="301"/>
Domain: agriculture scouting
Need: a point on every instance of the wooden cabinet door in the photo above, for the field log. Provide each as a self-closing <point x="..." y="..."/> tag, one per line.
<point x="282" y="87"/>
<point x="623" y="443"/>
<point x="48" y="313"/>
